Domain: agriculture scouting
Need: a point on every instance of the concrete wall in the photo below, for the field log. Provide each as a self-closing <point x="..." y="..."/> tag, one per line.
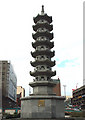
<point x="0" y="85"/>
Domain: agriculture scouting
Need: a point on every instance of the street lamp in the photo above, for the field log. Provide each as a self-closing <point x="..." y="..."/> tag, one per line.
<point x="64" y="90"/>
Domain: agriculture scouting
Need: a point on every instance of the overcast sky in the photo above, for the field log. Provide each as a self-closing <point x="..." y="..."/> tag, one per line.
<point x="16" y="20"/>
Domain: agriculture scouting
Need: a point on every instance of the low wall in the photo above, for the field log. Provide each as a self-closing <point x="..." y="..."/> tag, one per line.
<point x="41" y="119"/>
<point x="73" y="118"/>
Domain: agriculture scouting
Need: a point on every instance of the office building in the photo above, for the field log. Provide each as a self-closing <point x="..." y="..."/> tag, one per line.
<point x="83" y="43"/>
<point x="8" y="85"/>
<point x="21" y="90"/>
<point x="20" y="94"/>
<point x="79" y="97"/>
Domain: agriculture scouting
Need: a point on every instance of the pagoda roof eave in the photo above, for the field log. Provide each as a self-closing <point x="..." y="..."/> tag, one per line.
<point x="43" y="52"/>
<point x="42" y="83"/>
<point x="43" y="25"/>
<point x="45" y="62"/>
<point x="46" y="72"/>
<point x="48" y="43"/>
<point x="45" y="17"/>
<point x="47" y="34"/>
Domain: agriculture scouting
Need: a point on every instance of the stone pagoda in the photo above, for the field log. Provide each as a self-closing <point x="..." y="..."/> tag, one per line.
<point x="42" y="54"/>
<point x="43" y="103"/>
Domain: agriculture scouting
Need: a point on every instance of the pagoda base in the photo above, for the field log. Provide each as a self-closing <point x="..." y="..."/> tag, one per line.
<point x="42" y="107"/>
<point x="42" y="87"/>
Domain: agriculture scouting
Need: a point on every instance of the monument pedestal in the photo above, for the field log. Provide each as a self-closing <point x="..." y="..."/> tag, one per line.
<point x="42" y="107"/>
<point x="43" y="103"/>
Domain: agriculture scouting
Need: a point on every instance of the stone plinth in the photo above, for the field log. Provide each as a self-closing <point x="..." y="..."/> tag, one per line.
<point x="42" y="107"/>
<point x="42" y="87"/>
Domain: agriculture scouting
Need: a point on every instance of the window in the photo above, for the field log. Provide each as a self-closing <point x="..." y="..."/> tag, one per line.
<point x="42" y="67"/>
<point x="37" y="78"/>
<point x="42" y="78"/>
<point x="3" y="73"/>
<point x="42" y="57"/>
<point x="42" y="47"/>
<point x="48" y="67"/>
<point x="42" y="37"/>
<point x="48" y="78"/>
<point x="3" y="78"/>
<point x="42" y="20"/>
<point x="37" y="58"/>
<point x="4" y="68"/>
<point x="37" y="68"/>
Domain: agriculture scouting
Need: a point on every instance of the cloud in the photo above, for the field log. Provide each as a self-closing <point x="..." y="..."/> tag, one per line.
<point x="65" y="63"/>
<point x="57" y="59"/>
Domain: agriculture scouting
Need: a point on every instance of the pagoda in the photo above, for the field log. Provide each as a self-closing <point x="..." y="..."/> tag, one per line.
<point x="42" y="54"/>
<point x="43" y="103"/>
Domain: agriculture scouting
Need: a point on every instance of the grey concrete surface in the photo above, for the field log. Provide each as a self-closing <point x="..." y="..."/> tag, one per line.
<point x="42" y="107"/>
<point x="41" y="119"/>
<point x="71" y="118"/>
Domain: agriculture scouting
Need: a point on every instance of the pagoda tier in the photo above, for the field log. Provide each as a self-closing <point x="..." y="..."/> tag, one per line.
<point x="42" y="17"/>
<point x="43" y="25"/>
<point x="43" y="62"/>
<point x="40" y="34"/>
<point x="43" y="73"/>
<point x="43" y="52"/>
<point x="42" y="83"/>
<point x="45" y="42"/>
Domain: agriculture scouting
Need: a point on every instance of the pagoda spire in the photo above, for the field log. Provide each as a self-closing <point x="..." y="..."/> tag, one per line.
<point x="42" y="11"/>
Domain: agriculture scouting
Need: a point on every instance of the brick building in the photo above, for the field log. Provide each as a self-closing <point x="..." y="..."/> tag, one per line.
<point x="57" y="88"/>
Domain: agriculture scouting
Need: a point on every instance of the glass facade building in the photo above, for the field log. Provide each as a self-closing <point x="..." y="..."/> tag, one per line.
<point x="8" y="85"/>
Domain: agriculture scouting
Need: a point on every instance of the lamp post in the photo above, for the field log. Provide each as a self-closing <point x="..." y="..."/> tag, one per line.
<point x="64" y="90"/>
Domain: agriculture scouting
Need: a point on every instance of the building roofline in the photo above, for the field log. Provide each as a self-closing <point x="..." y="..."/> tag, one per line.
<point x="78" y="89"/>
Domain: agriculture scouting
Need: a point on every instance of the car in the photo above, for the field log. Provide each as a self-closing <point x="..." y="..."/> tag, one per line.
<point x="76" y="109"/>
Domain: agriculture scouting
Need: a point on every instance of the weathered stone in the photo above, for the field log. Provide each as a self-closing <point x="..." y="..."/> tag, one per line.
<point x="43" y="103"/>
<point x="42" y="107"/>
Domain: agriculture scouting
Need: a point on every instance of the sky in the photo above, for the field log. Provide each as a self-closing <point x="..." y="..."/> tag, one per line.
<point x="16" y="20"/>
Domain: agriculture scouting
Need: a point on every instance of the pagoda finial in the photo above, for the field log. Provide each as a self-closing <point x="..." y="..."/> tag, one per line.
<point x="42" y="12"/>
